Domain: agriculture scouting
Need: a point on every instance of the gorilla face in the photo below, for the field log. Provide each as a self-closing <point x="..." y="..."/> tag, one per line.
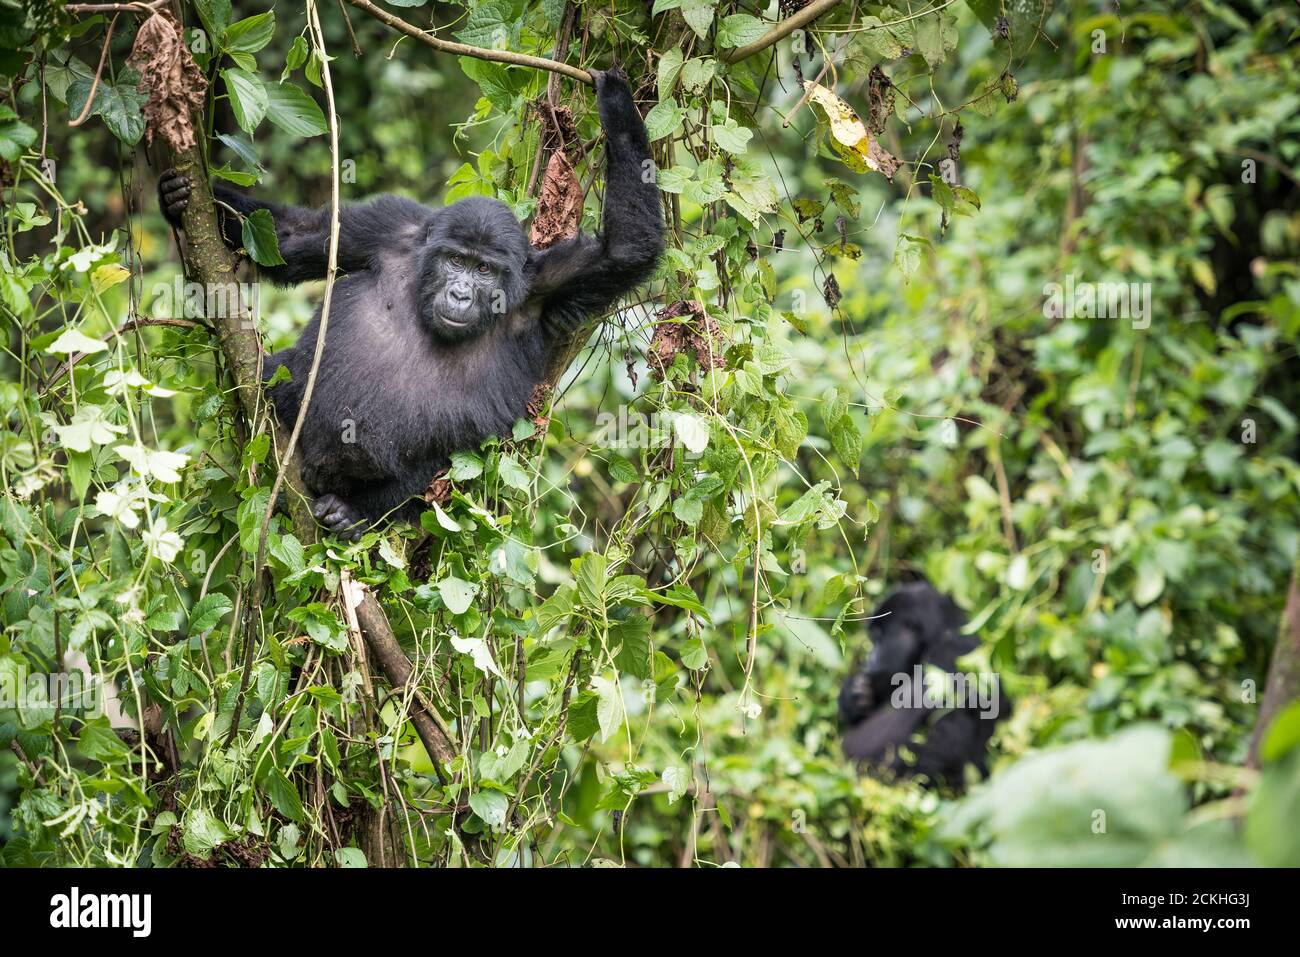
<point x="460" y="305"/>
<point x="473" y="271"/>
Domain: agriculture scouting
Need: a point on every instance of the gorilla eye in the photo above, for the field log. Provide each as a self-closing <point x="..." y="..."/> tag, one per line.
<point x="457" y="261"/>
<point x="484" y="268"/>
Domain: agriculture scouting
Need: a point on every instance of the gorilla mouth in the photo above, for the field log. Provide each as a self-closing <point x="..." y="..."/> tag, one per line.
<point x="455" y="322"/>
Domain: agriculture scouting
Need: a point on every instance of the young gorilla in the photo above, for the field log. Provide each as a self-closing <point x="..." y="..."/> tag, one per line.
<point x="444" y="322"/>
<point x="920" y="627"/>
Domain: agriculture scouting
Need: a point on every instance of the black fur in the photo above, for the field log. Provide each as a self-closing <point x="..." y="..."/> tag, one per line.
<point x="426" y="352"/>
<point x="914" y="625"/>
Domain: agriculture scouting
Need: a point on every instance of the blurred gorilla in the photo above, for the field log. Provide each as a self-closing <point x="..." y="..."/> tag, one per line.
<point x="889" y="727"/>
<point x="444" y="322"/>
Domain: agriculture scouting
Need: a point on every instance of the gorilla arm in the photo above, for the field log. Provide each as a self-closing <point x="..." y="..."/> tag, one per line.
<point x="304" y="234"/>
<point x="584" y="276"/>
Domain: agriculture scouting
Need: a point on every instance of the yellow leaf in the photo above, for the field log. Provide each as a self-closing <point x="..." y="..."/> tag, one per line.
<point x="849" y="136"/>
<point x="108" y="276"/>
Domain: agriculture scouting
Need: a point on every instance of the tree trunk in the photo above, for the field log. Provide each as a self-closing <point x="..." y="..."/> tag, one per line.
<point x="1283" y="685"/>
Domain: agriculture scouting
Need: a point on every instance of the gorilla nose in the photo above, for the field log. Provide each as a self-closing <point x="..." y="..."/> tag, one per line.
<point x="461" y="295"/>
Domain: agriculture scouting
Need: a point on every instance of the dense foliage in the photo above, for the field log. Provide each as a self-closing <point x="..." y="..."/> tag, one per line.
<point x="631" y="616"/>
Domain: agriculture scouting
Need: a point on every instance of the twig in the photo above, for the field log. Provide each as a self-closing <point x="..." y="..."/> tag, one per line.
<point x="139" y="8"/>
<point x="478" y="53"/>
<point x="780" y="31"/>
<point x="99" y="71"/>
<point x="356" y="47"/>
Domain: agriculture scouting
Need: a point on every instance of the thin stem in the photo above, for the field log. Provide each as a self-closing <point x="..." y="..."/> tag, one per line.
<point x="478" y="53"/>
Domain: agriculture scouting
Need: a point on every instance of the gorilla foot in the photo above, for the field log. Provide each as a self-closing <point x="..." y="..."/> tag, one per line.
<point x="339" y="517"/>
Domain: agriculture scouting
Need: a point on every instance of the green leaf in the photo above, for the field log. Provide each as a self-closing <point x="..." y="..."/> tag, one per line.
<point x="752" y="192"/>
<point x="677" y="779"/>
<point x="283" y="795"/>
<point x="633" y="637"/>
<point x="591" y="580"/>
<point x="215" y="15"/>
<point x="480" y="654"/>
<point x="243" y="149"/>
<point x="1283" y="734"/>
<point x="119" y="105"/>
<point x="513" y="474"/>
<point x="731" y="136"/>
<point x="907" y="255"/>
<point x="457" y="594"/>
<point x="697" y="72"/>
<point x="609" y="705"/>
<point x="664" y="119"/>
<point x="260" y="239"/>
<point x="490" y="807"/>
<point x="352" y="856"/>
<point x="321" y="625"/>
<point x="1150" y="582"/>
<point x="670" y="65"/>
<point x="99" y="742"/>
<point x="15" y="136"/>
<point x="250" y="34"/>
<point x="248" y="97"/>
<point x="293" y="111"/>
<point x="621" y="470"/>
<point x="694" y="655"/>
<point x="698" y="14"/>
<point x="296" y="56"/>
<point x="1271" y="834"/>
<point x="675" y="179"/>
<point x="202" y="832"/>
<point x="465" y="466"/>
<point x="583" y="722"/>
<point x="847" y="441"/>
<point x="287" y="550"/>
<point x="740" y="29"/>
<point x="501" y="768"/>
<point x="689" y="510"/>
<point x="935" y="36"/>
<point x="1046" y="808"/>
<point x="208" y="611"/>
<point x="494" y="24"/>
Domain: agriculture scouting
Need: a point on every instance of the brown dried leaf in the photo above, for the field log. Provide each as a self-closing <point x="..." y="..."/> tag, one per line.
<point x="537" y="405"/>
<point x="699" y="334"/>
<point x="831" y="291"/>
<point x="439" y="489"/>
<point x="558" y="128"/>
<point x="880" y="98"/>
<point x="170" y="77"/>
<point x="559" y="206"/>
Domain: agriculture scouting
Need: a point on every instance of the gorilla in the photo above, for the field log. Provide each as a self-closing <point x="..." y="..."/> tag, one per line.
<point x="885" y="730"/>
<point x="444" y="321"/>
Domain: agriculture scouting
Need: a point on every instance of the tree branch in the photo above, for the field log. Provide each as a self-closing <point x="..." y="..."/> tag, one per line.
<point x="1283" y="684"/>
<point x="780" y="31"/>
<point x="772" y="37"/>
<point x="464" y="49"/>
